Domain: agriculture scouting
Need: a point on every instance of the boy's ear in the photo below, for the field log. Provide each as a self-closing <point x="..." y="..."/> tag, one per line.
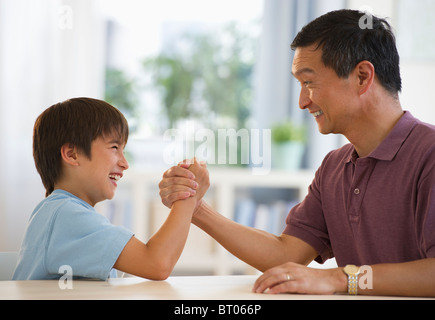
<point x="69" y="154"/>
<point x="366" y="75"/>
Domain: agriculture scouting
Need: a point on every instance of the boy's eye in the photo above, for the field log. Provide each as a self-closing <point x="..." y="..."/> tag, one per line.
<point x="115" y="147"/>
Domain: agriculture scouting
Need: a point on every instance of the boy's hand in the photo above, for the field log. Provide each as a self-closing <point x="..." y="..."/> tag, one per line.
<point x="189" y="178"/>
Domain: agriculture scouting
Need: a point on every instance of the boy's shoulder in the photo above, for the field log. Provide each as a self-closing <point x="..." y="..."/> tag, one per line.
<point x="64" y="217"/>
<point x="60" y="206"/>
<point x="61" y="200"/>
<point x="62" y="195"/>
<point x="63" y="230"/>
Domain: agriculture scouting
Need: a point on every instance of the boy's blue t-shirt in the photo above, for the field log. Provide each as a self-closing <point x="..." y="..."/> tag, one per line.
<point x="65" y="230"/>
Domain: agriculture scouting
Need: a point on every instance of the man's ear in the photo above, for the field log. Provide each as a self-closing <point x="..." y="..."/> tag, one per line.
<point x="69" y="154"/>
<point x="365" y="71"/>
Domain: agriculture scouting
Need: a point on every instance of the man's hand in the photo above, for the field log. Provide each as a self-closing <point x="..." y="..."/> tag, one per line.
<point x="189" y="178"/>
<point x="295" y="278"/>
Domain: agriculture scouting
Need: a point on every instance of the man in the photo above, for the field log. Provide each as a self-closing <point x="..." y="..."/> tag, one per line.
<point x="372" y="202"/>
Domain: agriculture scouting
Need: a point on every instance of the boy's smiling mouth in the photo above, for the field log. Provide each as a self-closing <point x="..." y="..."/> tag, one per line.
<point x="115" y="176"/>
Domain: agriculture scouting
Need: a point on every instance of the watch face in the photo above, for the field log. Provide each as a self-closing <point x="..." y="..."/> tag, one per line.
<point x="351" y="269"/>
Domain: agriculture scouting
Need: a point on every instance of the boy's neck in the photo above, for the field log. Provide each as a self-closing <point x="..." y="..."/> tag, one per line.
<point x="76" y="191"/>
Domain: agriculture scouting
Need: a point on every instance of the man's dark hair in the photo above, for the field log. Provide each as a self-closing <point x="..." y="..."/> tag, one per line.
<point x="78" y="121"/>
<point x="348" y="37"/>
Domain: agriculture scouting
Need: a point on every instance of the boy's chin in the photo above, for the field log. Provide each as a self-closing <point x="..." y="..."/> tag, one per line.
<point x="108" y="196"/>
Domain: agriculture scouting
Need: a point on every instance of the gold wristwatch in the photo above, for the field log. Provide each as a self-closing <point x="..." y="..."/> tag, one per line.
<point x="352" y="273"/>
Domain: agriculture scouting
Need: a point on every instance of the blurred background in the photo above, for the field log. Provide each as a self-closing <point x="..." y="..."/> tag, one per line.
<point x="185" y="65"/>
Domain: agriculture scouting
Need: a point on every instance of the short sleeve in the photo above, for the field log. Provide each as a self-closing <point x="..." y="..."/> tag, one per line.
<point x="86" y="241"/>
<point x="306" y="222"/>
<point x="425" y="212"/>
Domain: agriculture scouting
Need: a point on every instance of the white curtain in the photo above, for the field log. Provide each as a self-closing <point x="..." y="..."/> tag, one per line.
<point x="277" y="92"/>
<point x="50" y="50"/>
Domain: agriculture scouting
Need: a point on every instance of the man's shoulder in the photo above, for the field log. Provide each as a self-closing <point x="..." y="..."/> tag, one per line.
<point x="341" y="154"/>
<point x="425" y="129"/>
<point x="421" y="139"/>
<point x="335" y="160"/>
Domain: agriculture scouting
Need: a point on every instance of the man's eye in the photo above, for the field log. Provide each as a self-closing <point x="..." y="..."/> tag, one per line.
<point x="305" y="83"/>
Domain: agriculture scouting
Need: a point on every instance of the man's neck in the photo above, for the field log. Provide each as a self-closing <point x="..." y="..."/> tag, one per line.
<point x="373" y="128"/>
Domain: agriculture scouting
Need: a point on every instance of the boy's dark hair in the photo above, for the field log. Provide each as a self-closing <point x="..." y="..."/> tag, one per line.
<point x="78" y="121"/>
<point x="348" y="37"/>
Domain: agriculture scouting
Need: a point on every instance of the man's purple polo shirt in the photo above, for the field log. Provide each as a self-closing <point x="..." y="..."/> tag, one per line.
<point x="378" y="209"/>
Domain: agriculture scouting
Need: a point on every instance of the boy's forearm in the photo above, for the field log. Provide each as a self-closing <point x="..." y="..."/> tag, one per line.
<point x="185" y="206"/>
<point x="176" y="227"/>
<point x="156" y="259"/>
<point x="168" y="242"/>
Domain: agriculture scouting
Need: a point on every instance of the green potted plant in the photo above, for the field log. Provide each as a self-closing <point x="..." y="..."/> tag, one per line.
<point x="288" y="145"/>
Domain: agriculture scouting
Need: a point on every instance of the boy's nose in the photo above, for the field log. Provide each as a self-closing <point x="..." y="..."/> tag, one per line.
<point x="123" y="163"/>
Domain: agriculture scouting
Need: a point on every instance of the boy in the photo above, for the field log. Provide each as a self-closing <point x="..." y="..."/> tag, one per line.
<point x="78" y="149"/>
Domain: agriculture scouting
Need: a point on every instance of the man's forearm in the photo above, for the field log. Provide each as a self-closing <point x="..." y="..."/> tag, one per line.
<point x="415" y="278"/>
<point x="257" y="248"/>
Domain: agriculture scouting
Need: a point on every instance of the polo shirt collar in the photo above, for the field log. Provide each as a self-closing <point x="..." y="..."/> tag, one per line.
<point x="388" y="148"/>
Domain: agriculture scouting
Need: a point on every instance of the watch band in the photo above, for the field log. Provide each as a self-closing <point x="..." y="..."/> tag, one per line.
<point x="352" y="284"/>
<point x="352" y="273"/>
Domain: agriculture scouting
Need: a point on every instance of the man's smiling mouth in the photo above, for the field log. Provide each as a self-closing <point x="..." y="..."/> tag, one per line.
<point x="317" y="114"/>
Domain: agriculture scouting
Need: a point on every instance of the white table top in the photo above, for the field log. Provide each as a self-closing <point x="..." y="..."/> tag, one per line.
<point x="174" y="288"/>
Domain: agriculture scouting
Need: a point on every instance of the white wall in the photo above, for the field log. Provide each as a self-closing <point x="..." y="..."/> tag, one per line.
<point x="415" y="33"/>
<point x="418" y="85"/>
<point x="44" y="58"/>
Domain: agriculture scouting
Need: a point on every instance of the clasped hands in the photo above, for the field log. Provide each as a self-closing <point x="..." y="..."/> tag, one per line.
<point x="190" y="178"/>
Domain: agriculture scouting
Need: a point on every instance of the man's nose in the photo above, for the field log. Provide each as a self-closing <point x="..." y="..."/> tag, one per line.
<point x="304" y="98"/>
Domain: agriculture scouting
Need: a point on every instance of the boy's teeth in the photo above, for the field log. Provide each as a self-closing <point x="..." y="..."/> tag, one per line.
<point x="115" y="177"/>
<point x="318" y="113"/>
